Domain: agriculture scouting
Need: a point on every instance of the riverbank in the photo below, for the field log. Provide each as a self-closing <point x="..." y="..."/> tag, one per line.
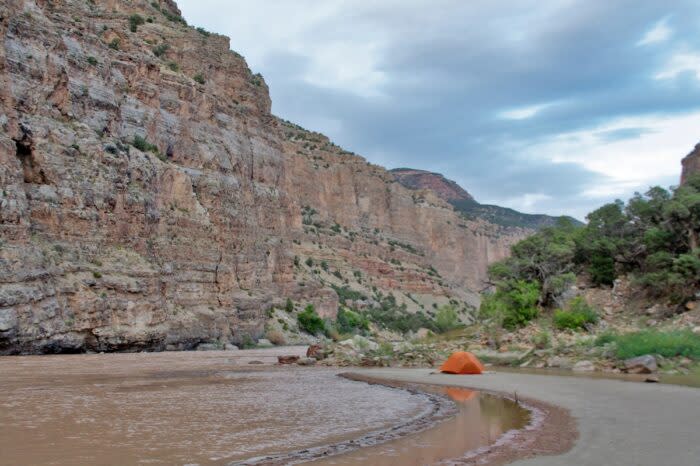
<point x="619" y="423"/>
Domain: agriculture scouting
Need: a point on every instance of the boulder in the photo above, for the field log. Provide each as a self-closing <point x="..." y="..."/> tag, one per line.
<point x="8" y="319"/>
<point x="287" y="359"/>
<point x="306" y="361"/>
<point x="584" y="366"/>
<point x="314" y="351"/>
<point x="652" y="378"/>
<point x="264" y="342"/>
<point x="560" y="362"/>
<point x="230" y="347"/>
<point x="641" y="365"/>
<point x="358" y="342"/>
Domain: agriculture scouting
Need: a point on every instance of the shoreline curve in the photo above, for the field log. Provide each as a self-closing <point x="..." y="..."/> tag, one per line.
<point x="618" y="422"/>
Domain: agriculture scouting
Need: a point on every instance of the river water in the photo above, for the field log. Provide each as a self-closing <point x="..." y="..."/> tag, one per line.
<point x="217" y="408"/>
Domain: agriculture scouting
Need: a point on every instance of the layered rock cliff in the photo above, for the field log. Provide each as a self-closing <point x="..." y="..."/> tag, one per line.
<point x="691" y="164"/>
<point x="150" y="199"/>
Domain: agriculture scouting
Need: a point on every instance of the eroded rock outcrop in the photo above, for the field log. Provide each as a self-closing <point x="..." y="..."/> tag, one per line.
<point x="691" y="164"/>
<point x="150" y="199"/>
<point x="447" y="190"/>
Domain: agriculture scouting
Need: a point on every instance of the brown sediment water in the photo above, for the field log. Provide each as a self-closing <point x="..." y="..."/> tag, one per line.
<point x="482" y="420"/>
<point x="215" y="408"/>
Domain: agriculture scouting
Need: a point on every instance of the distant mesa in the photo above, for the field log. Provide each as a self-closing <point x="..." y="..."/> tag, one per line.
<point x="445" y="189"/>
<point x="463" y="202"/>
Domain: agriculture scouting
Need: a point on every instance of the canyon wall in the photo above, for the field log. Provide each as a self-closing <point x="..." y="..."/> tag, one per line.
<point x="691" y="164"/>
<point x="150" y="199"/>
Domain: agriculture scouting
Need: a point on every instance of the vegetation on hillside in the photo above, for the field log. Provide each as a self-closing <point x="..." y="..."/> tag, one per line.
<point x="653" y="238"/>
<point x="506" y="217"/>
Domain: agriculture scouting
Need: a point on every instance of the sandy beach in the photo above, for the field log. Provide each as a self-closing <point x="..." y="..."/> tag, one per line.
<point x="619" y="423"/>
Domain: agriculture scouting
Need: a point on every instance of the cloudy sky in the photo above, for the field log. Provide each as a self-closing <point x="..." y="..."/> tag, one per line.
<point x="553" y="107"/>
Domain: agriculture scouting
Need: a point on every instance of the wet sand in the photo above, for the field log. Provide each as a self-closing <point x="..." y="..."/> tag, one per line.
<point x="618" y="423"/>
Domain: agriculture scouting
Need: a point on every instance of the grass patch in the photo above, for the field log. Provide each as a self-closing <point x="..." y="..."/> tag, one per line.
<point x="667" y="344"/>
<point x="578" y="314"/>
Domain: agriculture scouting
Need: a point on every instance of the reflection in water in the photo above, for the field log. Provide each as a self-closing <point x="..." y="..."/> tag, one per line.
<point x="481" y="421"/>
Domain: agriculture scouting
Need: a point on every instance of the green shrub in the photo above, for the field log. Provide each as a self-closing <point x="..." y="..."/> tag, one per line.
<point x="143" y="145"/>
<point x="173" y="66"/>
<point x="160" y="50"/>
<point x="135" y="21"/>
<point x="346" y="293"/>
<point x="396" y="318"/>
<point x="115" y="44"/>
<point x="309" y="262"/>
<point x="350" y="321"/>
<point x="247" y="342"/>
<point x="605" y="338"/>
<point x="310" y="322"/>
<point x="199" y="78"/>
<point x="203" y="32"/>
<point x="542" y="339"/>
<point x="92" y="61"/>
<point x="173" y="17"/>
<point x="578" y="314"/>
<point x="289" y="306"/>
<point x="513" y="305"/>
<point x="667" y="344"/>
<point x="446" y="319"/>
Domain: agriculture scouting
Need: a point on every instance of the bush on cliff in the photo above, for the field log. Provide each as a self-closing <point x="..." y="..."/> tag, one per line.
<point x="349" y="321"/>
<point x="135" y="21"/>
<point x="310" y="322"/>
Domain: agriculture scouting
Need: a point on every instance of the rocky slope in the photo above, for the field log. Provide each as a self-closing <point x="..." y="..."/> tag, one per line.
<point x="449" y="191"/>
<point x="150" y="200"/>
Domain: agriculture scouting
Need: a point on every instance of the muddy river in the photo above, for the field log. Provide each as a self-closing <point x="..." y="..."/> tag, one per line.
<point x="200" y="408"/>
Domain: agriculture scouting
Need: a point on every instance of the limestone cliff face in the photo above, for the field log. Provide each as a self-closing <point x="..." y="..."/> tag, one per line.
<point x="150" y="199"/>
<point x="691" y="164"/>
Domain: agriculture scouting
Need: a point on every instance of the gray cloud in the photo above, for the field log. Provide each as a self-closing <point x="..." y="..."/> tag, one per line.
<point x="442" y="73"/>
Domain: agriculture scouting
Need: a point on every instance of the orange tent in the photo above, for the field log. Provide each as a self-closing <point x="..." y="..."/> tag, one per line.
<point x="462" y="362"/>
